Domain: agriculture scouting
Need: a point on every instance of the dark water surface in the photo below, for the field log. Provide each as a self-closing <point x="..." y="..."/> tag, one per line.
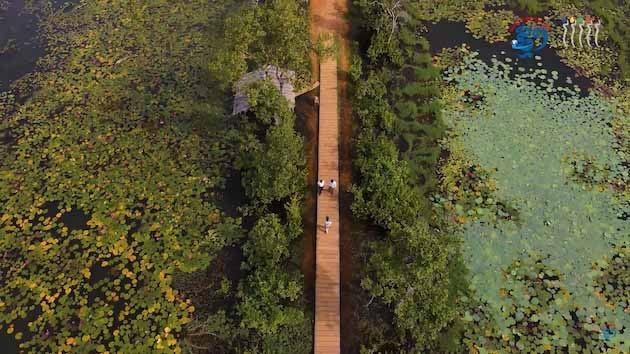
<point x="446" y="34"/>
<point x="20" y="45"/>
<point x="19" y="50"/>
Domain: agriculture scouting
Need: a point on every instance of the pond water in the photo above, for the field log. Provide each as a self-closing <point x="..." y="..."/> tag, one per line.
<point x="446" y="34"/>
<point x="20" y="45"/>
<point x="528" y="136"/>
<point x="20" y="48"/>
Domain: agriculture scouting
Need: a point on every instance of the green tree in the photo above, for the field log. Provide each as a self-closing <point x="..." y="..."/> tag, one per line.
<point x="384" y="194"/>
<point x="268" y="243"/>
<point x="409" y="272"/>
<point x="276" y="171"/>
<point x="273" y="32"/>
<point x="408" y="267"/>
<point x="265" y="301"/>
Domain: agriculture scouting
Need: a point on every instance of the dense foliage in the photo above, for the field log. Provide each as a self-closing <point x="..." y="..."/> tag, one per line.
<point x="394" y="99"/>
<point x="273" y="34"/>
<point x="508" y="179"/>
<point x="110" y="180"/>
<point x="268" y="314"/>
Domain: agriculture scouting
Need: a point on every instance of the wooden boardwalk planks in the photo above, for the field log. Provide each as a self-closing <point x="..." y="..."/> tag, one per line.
<point x="327" y="287"/>
<point x="327" y="18"/>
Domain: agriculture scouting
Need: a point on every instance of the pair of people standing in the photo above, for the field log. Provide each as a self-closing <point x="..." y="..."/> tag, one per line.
<point x="321" y="185"/>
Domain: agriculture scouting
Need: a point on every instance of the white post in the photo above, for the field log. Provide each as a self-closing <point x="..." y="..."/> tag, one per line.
<point x="597" y="26"/>
<point x="564" y="35"/>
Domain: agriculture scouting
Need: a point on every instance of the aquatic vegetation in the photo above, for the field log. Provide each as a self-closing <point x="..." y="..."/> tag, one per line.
<point x="531" y="6"/>
<point x="595" y="64"/>
<point x="448" y="57"/>
<point x="587" y="171"/>
<point x="532" y="172"/>
<point x="111" y="171"/>
<point x="468" y="191"/>
<point x="7" y="101"/>
<point x="455" y="10"/>
<point x="102" y="193"/>
<point x="521" y="134"/>
<point x="9" y="47"/>
<point x="492" y="26"/>
<point x="536" y="290"/>
<point x="540" y="315"/>
<point x="613" y="282"/>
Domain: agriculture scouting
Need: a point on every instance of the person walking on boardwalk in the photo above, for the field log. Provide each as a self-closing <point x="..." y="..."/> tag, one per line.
<point x="327" y="224"/>
<point x="332" y="186"/>
<point x="320" y="186"/>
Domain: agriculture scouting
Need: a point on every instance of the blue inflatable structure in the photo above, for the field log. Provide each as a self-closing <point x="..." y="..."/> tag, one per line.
<point x="530" y="40"/>
<point x="607" y="334"/>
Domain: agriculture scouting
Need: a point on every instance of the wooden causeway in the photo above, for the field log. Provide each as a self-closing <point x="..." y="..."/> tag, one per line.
<point x="327" y="18"/>
<point x="327" y="288"/>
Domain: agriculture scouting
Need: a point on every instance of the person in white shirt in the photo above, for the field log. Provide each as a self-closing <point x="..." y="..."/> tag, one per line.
<point x="327" y="224"/>
<point x="320" y="186"/>
<point x="332" y="186"/>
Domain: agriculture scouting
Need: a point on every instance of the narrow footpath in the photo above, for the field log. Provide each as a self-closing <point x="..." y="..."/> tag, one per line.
<point x="327" y="18"/>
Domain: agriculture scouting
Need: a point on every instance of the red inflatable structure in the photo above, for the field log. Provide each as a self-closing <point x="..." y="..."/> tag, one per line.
<point x="529" y="20"/>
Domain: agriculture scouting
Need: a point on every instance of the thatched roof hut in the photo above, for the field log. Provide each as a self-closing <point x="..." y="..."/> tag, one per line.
<point x="282" y="79"/>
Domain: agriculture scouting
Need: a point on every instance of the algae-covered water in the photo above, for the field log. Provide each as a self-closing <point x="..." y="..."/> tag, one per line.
<point x="533" y="131"/>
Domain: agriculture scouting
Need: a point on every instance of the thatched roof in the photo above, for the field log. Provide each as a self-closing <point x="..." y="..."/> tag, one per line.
<point x="282" y="79"/>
